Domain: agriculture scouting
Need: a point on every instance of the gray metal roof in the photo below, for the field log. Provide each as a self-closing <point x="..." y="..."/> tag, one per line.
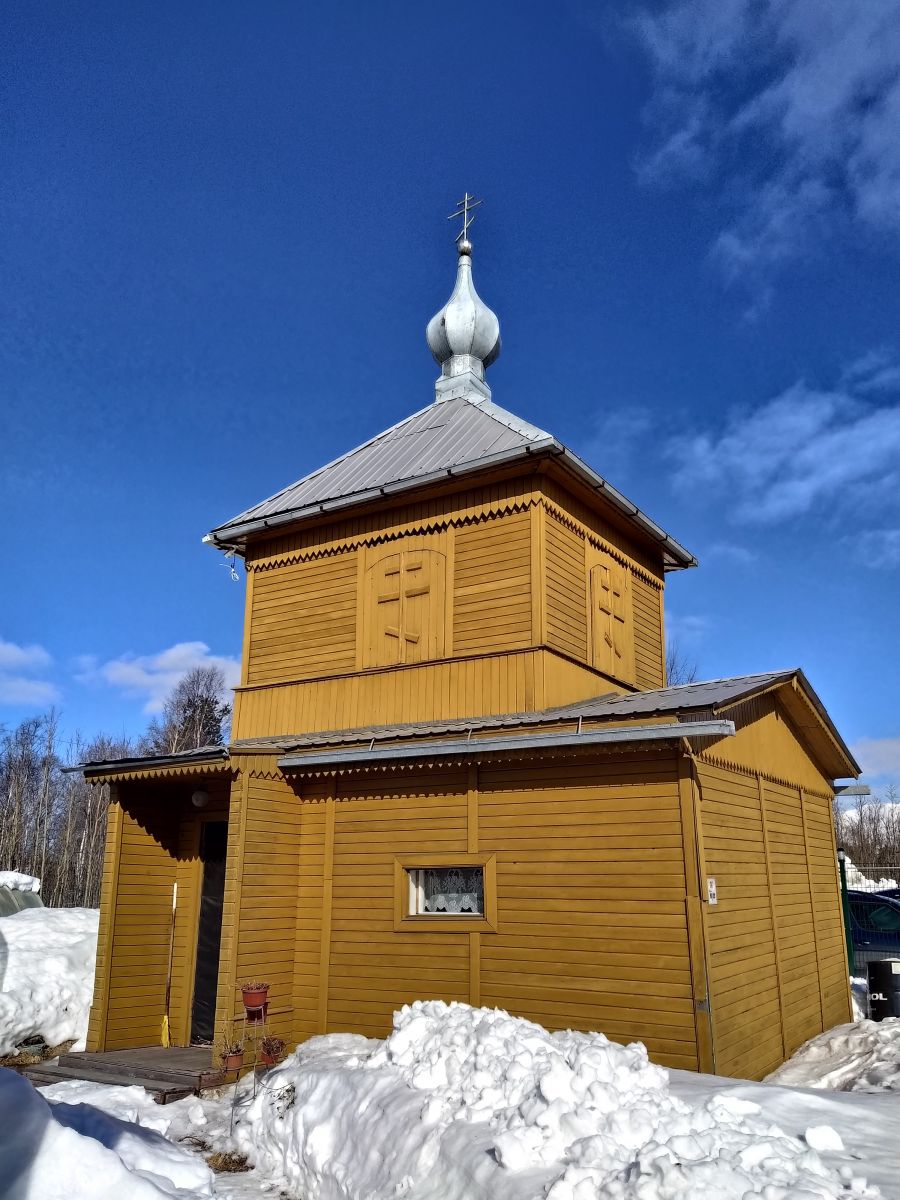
<point x="450" y="437"/>
<point x="317" y="760"/>
<point x="201" y="754"/>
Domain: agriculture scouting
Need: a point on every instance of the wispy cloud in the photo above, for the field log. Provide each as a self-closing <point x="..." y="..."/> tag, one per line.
<point x="879" y="757"/>
<point x="151" y="677"/>
<point x="794" y="453"/>
<point x="788" y="108"/>
<point x="690" y="628"/>
<point x="20" y="671"/>
<point x="732" y="552"/>
<point x="877" y="548"/>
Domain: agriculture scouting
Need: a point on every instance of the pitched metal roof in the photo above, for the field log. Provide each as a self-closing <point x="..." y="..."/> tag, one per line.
<point x="450" y="437"/>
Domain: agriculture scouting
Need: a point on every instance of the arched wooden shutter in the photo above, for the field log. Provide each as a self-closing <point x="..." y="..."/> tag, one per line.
<point x="405" y="600"/>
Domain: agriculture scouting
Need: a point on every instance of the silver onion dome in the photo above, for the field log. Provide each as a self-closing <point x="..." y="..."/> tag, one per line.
<point x="464" y="336"/>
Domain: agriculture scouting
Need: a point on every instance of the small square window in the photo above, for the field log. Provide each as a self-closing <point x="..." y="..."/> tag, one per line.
<point x="446" y="891"/>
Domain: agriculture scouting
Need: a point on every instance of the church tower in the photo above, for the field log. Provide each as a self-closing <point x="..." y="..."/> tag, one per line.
<point x="462" y="563"/>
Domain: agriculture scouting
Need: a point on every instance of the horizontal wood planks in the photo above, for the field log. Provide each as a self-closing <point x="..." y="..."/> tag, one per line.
<point x="303" y="619"/>
<point x="649" y="657"/>
<point x="266" y="916"/>
<point x="591" y="900"/>
<point x="492" y="585"/>
<point x="139" y="955"/>
<point x="591" y="897"/>
<point x="507" y="571"/>
<point x="565" y="584"/>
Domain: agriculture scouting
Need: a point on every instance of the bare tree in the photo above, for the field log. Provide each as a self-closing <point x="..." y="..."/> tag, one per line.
<point x="195" y="714"/>
<point x="679" y="668"/>
<point x="869" y="829"/>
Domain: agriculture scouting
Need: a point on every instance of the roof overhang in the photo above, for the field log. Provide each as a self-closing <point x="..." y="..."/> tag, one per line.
<point x="202" y="762"/>
<point x="232" y="537"/>
<point x="468" y="748"/>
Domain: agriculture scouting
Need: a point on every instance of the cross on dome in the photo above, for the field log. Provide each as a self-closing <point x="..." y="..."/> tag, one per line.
<point x="464" y="336"/>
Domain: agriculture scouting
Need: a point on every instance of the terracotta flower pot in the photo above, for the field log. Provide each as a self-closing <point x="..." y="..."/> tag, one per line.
<point x="254" y="998"/>
<point x="233" y="1062"/>
<point x="269" y="1059"/>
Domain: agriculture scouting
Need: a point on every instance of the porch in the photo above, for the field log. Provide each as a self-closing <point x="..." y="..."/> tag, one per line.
<point x="167" y="1073"/>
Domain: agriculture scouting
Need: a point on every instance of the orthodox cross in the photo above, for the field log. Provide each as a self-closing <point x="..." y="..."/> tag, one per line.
<point x="464" y="209"/>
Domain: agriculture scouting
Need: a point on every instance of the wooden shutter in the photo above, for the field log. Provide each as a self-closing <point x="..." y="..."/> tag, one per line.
<point x="406" y="605"/>
<point x="611" y="620"/>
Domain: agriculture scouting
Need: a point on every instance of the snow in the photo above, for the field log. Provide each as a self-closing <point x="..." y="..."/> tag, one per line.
<point x="862" y="1056"/>
<point x="65" y="1151"/>
<point x="856" y="879"/>
<point x="461" y="1103"/>
<point x="19" y="882"/>
<point x="47" y="958"/>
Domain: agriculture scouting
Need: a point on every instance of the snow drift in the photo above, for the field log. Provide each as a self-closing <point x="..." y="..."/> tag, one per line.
<point x="19" y="882"/>
<point x="463" y="1104"/>
<point x="862" y="1056"/>
<point x="57" y="1151"/>
<point x="47" y="958"/>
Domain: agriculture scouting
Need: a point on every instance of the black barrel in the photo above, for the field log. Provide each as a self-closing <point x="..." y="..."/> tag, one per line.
<point x="884" y="988"/>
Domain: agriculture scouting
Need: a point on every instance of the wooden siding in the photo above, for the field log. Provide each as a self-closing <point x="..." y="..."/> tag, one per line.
<point x="591" y="899"/>
<point x="139" y="954"/>
<point x="96" y="1035"/>
<point x="768" y="740"/>
<point x="515" y="681"/>
<point x="507" y="571"/>
<point x="565" y="576"/>
<point x="302" y="620"/>
<point x="649" y="654"/>
<point x="590" y="892"/>
<point x="492" y="585"/>
<point x="777" y="963"/>
<point x="264" y="915"/>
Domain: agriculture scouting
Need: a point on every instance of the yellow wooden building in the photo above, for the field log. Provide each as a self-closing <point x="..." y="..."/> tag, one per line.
<point x="456" y="771"/>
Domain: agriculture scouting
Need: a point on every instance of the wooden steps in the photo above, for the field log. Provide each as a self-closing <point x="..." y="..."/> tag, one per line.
<point x="166" y="1073"/>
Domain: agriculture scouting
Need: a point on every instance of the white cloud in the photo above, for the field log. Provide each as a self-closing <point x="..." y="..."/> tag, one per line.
<point x="18" y="666"/>
<point x="731" y="552"/>
<point x="877" y="548"/>
<point x="688" y="629"/>
<point x="789" y="108"/>
<point x="794" y="453"/>
<point x="151" y="677"/>
<point x="22" y="658"/>
<point x="878" y="757"/>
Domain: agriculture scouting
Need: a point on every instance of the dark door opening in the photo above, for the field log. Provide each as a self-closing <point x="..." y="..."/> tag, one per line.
<point x="213" y="843"/>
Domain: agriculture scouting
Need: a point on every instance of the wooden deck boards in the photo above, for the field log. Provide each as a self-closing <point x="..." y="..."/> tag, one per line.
<point x="168" y="1073"/>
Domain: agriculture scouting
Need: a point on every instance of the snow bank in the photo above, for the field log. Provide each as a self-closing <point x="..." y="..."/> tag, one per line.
<point x="47" y="958"/>
<point x="19" y="882"/>
<point x="55" y="1151"/>
<point x="464" y="1104"/>
<point x="863" y="1056"/>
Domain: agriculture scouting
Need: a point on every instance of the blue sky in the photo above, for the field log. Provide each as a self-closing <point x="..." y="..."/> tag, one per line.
<point x="222" y="234"/>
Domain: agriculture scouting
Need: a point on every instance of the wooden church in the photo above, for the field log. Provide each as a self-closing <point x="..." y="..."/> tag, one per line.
<point x="456" y="771"/>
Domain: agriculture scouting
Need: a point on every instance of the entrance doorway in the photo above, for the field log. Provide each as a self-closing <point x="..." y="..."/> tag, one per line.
<point x="213" y="845"/>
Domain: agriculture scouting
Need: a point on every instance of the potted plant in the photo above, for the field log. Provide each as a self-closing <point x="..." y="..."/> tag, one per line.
<point x="271" y="1049"/>
<point x="233" y="1056"/>
<point x="254" y="995"/>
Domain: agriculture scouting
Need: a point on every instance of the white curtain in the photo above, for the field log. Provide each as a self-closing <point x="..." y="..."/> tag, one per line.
<point x="453" y="890"/>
